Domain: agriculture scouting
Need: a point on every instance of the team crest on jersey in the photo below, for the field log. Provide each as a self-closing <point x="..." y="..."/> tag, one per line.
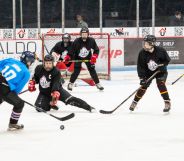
<point x="44" y="83"/>
<point x="64" y="53"/>
<point x="152" y="65"/>
<point x="83" y="52"/>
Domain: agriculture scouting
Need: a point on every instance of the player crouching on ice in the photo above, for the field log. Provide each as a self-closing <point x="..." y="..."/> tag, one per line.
<point x="14" y="74"/>
<point x="149" y="59"/>
<point x="82" y="48"/>
<point x="50" y="87"/>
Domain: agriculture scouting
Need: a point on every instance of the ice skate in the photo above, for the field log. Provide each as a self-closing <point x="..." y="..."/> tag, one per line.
<point x="167" y="106"/>
<point x="15" y="127"/>
<point x="99" y="87"/>
<point x="133" y="106"/>
<point x="70" y="86"/>
<point x="54" y="108"/>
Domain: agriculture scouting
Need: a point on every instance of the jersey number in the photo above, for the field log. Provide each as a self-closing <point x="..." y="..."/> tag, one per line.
<point x="10" y="73"/>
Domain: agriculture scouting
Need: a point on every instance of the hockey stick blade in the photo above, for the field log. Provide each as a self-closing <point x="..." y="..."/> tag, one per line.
<point x="109" y="112"/>
<point x="58" y="118"/>
<point x="106" y="112"/>
<point x="68" y="117"/>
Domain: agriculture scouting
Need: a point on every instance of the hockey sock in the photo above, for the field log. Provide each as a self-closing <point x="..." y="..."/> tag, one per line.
<point x="14" y="117"/>
<point x="140" y="93"/>
<point x="163" y="90"/>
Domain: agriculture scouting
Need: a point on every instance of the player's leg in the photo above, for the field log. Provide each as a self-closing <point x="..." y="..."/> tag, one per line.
<point x="75" y="74"/>
<point x="67" y="98"/>
<point x="94" y="76"/>
<point x="18" y="105"/>
<point x="160" y="80"/>
<point x="43" y="102"/>
<point x="140" y="93"/>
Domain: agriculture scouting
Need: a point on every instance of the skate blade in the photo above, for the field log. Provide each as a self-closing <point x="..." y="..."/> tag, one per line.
<point x="14" y="129"/>
<point x="166" y="113"/>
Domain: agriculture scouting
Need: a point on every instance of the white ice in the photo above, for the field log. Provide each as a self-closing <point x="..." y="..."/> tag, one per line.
<point x="144" y="135"/>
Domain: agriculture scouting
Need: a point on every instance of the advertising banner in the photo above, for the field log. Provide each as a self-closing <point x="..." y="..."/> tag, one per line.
<point x="173" y="46"/>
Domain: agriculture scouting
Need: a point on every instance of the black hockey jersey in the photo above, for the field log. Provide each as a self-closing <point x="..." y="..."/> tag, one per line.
<point x="59" y="48"/>
<point x="147" y="62"/>
<point x="84" y="49"/>
<point x="48" y="81"/>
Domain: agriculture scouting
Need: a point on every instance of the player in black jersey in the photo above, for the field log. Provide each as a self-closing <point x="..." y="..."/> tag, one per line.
<point x="62" y="48"/>
<point x="49" y="79"/>
<point x="84" y="48"/>
<point x="149" y="59"/>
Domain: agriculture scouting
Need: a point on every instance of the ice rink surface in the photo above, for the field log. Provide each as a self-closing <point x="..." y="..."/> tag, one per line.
<point x="144" y="135"/>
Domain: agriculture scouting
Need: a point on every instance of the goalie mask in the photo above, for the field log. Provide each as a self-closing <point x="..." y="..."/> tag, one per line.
<point x="66" y="39"/>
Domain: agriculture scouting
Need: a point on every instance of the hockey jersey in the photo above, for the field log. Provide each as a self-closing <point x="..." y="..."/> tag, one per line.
<point x="15" y="73"/>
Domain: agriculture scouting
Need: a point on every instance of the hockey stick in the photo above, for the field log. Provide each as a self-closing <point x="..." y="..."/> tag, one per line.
<point x="70" y="61"/>
<point x="177" y="79"/>
<point x="78" y="61"/>
<point x="147" y="81"/>
<point x="58" y="118"/>
<point x="24" y="91"/>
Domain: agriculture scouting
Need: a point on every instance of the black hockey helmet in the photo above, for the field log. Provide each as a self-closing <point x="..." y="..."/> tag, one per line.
<point x="27" y="56"/>
<point x="84" y="30"/>
<point x="66" y="36"/>
<point x="150" y="38"/>
<point x="48" y="58"/>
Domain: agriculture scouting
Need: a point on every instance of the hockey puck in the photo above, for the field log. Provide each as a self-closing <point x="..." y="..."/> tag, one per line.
<point x="62" y="127"/>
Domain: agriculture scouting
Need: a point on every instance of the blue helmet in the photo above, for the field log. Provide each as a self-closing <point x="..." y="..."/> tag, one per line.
<point x="27" y="56"/>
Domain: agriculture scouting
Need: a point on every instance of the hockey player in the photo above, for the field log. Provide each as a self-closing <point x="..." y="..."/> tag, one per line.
<point x="61" y="49"/>
<point x="14" y="74"/>
<point x="152" y="58"/>
<point x="84" y="48"/>
<point x="50" y="87"/>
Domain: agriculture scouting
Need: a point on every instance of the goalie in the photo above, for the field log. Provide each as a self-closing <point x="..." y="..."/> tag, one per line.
<point x="60" y="50"/>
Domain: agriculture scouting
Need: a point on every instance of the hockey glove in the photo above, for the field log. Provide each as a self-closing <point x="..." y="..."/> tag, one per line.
<point x="31" y="86"/>
<point x="56" y="56"/>
<point x="67" y="58"/>
<point x="161" y="68"/>
<point x="55" y="97"/>
<point x="93" y="58"/>
<point x="144" y="83"/>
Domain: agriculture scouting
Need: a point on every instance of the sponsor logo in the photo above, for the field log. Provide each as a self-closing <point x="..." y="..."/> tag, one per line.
<point x="119" y="32"/>
<point x="12" y="47"/>
<point x="113" y="53"/>
<point x="162" y="31"/>
<point x="174" y="55"/>
<point x="21" y="33"/>
<point x="51" y="31"/>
